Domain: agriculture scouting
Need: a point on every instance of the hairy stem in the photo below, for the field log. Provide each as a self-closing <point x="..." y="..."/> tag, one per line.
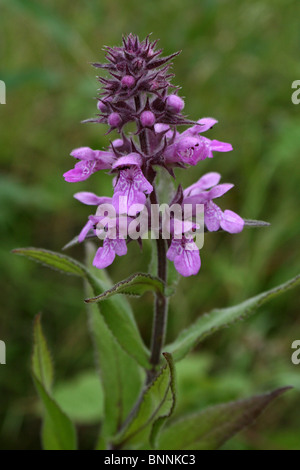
<point x="161" y="304"/>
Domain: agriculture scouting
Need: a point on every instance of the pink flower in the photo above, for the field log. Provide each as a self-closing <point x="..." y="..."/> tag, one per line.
<point x="106" y="254"/>
<point x="185" y="255"/>
<point x="130" y="190"/>
<point x="189" y="147"/>
<point x="214" y="217"/>
<point x="90" y="162"/>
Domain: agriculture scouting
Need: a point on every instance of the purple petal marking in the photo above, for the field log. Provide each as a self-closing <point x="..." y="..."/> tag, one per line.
<point x="185" y="255"/>
<point x="104" y="255"/>
<point x="212" y="216"/>
<point x="132" y="187"/>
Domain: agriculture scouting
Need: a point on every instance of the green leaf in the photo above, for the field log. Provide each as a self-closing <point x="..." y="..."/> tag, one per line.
<point x="211" y="428"/>
<point x="116" y="312"/>
<point x="62" y="263"/>
<point x="41" y="358"/>
<point x="81" y="398"/>
<point x="121" y="376"/>
<point x="155" y="405"/>
<point x="135" y="285"/>
<point x="58" y="430"/>
<point x="220" y="318"/>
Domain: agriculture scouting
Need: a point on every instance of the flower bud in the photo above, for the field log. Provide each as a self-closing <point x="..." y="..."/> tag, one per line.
<point x="147" y="119"/>
<point x="128" y="81"/>
<point x="175" y="103"/>
<point x="102" y="106"/>
<point x="114" y="119"/>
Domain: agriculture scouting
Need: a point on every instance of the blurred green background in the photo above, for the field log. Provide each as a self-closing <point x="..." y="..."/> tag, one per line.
<point x="238" y="62"/>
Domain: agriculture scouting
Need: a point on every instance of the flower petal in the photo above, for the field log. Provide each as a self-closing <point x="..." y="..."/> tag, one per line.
<point x="91" y="199"/>
<point x="104" y="255"/>
<point x="88" y="226"/>
<point x="119" y="246"/>
<point x="212" y="216"/>
<point x="232" y="222"/>
<point x="219" y="190"/>
<point x="205" y="182"/>
<point x="133" y="159"/>
<point x="220" y="146"/>
<point x="83" y="153"/>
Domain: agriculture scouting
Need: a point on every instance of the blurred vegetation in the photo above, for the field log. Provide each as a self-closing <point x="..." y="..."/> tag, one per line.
<point x="238" y="62"/>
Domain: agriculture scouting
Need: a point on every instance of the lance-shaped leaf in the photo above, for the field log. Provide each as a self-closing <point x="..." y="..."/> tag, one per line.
<point x="211" y="428"/>
<point x="58" y="430"/>
<point x="135" y="285"/>
<point x="53" y="260"/>
<point x="220" y="318"/>
<point x="120" y="375"/>
<point x="116" y="312"/>
<point x="155" y="405"/>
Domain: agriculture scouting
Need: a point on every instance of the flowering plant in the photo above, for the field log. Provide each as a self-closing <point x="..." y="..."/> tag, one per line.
<point x="139" y="384"/>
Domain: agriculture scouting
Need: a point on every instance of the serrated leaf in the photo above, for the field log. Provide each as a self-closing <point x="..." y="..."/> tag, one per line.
<point x="155" y="405"/>
<point x="220" y="318"/>
<point x="135" y="285"/>
<point x="58" y="430"/>
<point x="211" y="428"/>
<point x="53" y="260"/>
<point x="116" y="312"/>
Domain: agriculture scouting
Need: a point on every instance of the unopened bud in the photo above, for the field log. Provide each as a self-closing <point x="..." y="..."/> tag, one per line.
<point x="147" y="119"/>
<point x="127" y="81"/>
<point x="114" y="119"/>
<point x="175" y="103"/>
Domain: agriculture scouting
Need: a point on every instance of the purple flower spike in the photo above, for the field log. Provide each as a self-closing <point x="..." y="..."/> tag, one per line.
<point x="91" y="161"/>
<point x="130" y="191"/>
<point x="185" y="255"/>
<point x="107" y="253"/>
<point x="137" y="89"/>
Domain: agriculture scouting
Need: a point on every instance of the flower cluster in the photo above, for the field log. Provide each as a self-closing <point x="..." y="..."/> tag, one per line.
<point x="138" y="89"/>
